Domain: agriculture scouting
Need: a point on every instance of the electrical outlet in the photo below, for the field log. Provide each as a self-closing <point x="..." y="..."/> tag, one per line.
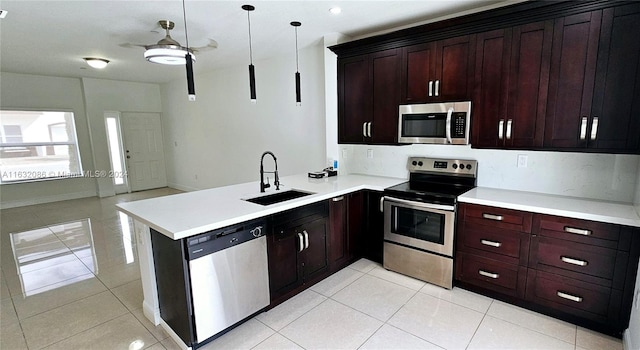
<point x="344" y="154"/>
<point x="195" y="177"/>
<point x="522" y="160"/>
<point x="369" y="153"/>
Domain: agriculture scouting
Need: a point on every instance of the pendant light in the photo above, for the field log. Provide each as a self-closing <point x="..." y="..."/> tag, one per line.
<point x="252" y="72"/>
<point x="298" y="100"/>
<point x="191" y="89"/>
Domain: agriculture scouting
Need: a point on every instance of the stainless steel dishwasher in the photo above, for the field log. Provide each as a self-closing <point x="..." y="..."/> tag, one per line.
<point x="229" y="277"/>
<point x="212" y="281"/>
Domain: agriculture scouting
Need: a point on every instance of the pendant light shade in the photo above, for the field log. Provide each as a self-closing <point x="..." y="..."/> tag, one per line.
<point x="191" y="89"/>
<point x="298" y="98"/>
<point x="252" y="69"/>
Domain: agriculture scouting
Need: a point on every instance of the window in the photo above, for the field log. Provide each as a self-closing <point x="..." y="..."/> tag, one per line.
<point x="38" y="145"/>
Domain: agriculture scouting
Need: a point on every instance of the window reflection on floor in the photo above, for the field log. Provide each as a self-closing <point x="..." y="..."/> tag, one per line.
<point x="50" y="257"/>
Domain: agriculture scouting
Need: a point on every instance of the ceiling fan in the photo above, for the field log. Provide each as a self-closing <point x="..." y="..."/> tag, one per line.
<point x="169" y="51"/>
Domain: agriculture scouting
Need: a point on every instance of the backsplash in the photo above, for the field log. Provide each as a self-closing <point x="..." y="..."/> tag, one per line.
<point x="597" y="176"/>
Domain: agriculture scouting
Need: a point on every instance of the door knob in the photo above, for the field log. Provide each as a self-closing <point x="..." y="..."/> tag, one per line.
<point x="128" y="157"/>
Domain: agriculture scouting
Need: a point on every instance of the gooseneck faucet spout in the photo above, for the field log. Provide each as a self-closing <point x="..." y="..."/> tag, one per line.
<point x="276" y="182"/>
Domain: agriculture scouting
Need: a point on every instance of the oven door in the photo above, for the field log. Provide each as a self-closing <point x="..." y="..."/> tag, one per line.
<point x="420" y="225"/>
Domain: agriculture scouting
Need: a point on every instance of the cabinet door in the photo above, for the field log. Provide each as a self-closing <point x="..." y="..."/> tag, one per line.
<point x="455" y="59"/>
<point x="386" y="97"/>
<point x="282" y="248"/>
<point x="616" y="100"/>
<point x="571" y="80"/>
<point x="338" y="233"/>
<point x="528" y="85"/>
<point x="491" y="88"/>
<point x="314" y="256"/>
<point x="356" y="221"/>
<point x="354" y="98"/>
<point x="418" y="64"/>
<point x="373" y="239"/>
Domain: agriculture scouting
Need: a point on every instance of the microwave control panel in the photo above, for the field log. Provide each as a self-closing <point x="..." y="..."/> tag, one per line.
<point x="459" y="124"/>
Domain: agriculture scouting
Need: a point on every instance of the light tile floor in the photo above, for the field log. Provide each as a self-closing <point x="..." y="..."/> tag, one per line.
<point x="70" y="279"/>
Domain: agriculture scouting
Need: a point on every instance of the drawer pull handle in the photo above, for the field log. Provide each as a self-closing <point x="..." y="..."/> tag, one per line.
<point x="577" y="231"/>
<point x="569" y="297"/>
<point x="491" y="243"/>
<point x="337" y="199"/>
<point x="573" y="261"/>
<point x="492" y="217"/>
<point x="488" y="274"/>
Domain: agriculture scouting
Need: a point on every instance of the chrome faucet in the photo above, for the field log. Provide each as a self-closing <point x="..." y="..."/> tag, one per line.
<point x="275" y="172"/>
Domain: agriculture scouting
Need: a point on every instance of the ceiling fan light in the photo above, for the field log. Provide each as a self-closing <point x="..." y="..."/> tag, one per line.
<point x="97" y="63"/>
<point x="168" y="54"/>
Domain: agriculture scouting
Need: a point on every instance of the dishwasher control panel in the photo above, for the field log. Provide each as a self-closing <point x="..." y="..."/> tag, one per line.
<point x="223" y="238"/>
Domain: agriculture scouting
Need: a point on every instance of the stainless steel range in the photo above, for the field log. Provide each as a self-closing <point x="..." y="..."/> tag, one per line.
<point x="420" y="216"/>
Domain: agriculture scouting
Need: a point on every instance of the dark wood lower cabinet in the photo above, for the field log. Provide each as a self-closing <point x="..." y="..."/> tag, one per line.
<point x="297" y="250"/>
<point x="580" y="271"/>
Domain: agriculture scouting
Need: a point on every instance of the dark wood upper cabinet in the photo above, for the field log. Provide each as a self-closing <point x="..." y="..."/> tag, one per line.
<point x="438" y="71"/>
<point x="511" y="80"/>
<point x="354" y="98"/>
<point x="571" y="81"/>
<point x="368" y="98"/>
<point x="558" y="76"/>
<point x="616" y="98"/>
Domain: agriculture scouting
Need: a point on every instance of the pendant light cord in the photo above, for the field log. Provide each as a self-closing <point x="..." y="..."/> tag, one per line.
<point x="297" y="69"/>
<point x="186" y="33"/>
<point x="250" y="48"/>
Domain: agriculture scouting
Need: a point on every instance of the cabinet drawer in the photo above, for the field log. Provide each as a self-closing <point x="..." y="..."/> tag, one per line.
<point x="568" y="295"/>
<point x="582" y="258"/>
<point x="576" y="230"/>
<point x="494" y="240"/>
<point x="491" y="274"/>
<point x="498" y="217"/>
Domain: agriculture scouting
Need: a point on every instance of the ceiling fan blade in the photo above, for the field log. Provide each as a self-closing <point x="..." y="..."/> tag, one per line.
<point x="131" y="45"/>
<point x="210" y="46"/>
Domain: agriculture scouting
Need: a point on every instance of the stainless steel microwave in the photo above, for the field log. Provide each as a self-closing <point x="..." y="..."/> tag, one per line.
<point x="437" y="123"/>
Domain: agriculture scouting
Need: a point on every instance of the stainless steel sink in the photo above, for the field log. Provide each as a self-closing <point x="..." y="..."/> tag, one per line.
<point x="277" y="197"/>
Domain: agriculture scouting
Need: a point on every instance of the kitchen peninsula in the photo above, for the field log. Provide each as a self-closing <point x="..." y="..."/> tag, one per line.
<point x="188" y="214"/>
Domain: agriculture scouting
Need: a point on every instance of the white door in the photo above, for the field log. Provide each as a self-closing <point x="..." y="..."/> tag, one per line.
<point x="144" y="150"/>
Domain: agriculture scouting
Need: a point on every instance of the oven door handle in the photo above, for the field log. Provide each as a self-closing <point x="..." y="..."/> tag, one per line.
<point x="417" y="204"/>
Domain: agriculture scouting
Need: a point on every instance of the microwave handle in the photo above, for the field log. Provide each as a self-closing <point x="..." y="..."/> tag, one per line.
<point x="448" y="126"/>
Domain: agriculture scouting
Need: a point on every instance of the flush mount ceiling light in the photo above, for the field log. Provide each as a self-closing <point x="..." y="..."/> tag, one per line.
<point x="167" y="50"/>
<point x="97" y="63"/>
<point x="3" y="13"/>
<point x="335" y="10"/>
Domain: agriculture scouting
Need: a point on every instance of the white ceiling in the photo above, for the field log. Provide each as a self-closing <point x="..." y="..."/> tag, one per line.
<point x="51" y="37"/>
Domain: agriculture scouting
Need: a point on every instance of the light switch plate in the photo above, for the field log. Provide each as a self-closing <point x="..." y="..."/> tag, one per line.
<point x="522" y="160"/>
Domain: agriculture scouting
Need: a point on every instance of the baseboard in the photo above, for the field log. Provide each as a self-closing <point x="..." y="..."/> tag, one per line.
<point x="49" y="199"/>
<point x="182" y="187"/>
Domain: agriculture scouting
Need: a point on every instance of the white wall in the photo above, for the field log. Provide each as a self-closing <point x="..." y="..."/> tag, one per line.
<point x="218" y="139"/>
<point x="598" y="176"/>
<point x="110" y="95"/>
<point x="22" y="91"/>
<point x="632" y="335"/>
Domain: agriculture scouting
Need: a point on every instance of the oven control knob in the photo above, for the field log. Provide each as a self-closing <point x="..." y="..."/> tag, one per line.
<point x="455" y="166"/>
<point x="420" y="163"/>
<point x="468" y="166"/>
<point x="414" y="163"/>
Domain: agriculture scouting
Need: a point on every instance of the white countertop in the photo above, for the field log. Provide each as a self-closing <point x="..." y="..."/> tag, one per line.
<point x="579" y="208"/>
<point x="191" y="213"/>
